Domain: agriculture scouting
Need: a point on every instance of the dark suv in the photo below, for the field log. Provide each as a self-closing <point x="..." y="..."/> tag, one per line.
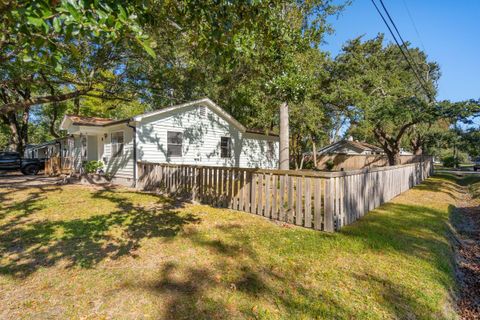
<point x="10" y="161"/>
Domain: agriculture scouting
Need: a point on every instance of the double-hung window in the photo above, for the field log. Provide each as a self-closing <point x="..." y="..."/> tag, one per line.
<point x="117" y="143"/>
<point x="225" y="147"/>
<point x="174" y="143"/>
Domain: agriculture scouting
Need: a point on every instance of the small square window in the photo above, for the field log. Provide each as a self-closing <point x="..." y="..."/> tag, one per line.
<point x="174" y="144"/>
<point x="225" y="147"/>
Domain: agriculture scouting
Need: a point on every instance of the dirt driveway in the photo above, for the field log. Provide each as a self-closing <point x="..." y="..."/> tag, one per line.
<point x="19" y="181"/>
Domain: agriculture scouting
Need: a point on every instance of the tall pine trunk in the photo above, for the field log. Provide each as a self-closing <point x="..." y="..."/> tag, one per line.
<point x="284" y="159"/>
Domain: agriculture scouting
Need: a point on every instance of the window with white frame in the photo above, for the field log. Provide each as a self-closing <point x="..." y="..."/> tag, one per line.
<point x="225" y="147"/>
<point x="117" y="140"/>
<point x="174" y="143"/>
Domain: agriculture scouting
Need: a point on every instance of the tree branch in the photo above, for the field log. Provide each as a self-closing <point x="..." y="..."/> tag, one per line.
<point x="41" y="100"/>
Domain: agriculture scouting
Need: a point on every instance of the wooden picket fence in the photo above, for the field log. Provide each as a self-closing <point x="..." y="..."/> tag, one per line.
<point x="320" y="200"/>
<point x="58" y="165"/>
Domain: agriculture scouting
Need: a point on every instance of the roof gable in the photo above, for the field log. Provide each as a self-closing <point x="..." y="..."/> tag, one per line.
<point x="354" y="145"/>
<point x="202" y="102"/>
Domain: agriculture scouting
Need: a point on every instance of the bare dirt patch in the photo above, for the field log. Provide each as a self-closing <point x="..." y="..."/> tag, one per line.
<point x="16" y="180"/>
<point x="466" y="220"/>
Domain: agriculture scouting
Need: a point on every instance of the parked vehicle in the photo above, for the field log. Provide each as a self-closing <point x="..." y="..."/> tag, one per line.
<point x="12" y="161"/>
<point x="476" y="164"/>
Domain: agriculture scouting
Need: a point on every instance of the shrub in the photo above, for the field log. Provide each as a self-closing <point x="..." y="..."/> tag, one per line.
<point x="450" y="162"/>
<point x="92" y="166"/>
<point x="329" y="165"/>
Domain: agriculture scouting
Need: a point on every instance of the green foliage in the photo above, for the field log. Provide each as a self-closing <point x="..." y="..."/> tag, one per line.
<point x="93" y="166"/>
<point x="450" y="161"/>
<point x="329" y="164"/>
<point x="470" y="142"/>
<point x="387" y="98"/>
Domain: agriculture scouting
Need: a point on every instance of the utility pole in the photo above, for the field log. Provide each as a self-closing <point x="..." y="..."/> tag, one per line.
<point x="284" y="163"/>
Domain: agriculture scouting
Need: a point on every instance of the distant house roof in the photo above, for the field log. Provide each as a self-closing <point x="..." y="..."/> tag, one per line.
<point x="357" y="146"/>
<point x="103" y="122"/>
<point x="44" y="144"/>
<point x="365" y="146"/>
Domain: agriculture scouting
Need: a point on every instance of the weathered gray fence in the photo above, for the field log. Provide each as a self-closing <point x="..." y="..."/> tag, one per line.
<point x="320" y="200"/>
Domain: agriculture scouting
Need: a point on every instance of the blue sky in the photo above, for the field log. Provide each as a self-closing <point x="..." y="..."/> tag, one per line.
<point x="449" y="32"/>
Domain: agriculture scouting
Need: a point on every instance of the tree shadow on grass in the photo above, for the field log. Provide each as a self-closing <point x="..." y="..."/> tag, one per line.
<point x="27" y="245"/>
<point x="235" y="282"/>
<point x="443" y="183"/>
<point x="414" y="231"/>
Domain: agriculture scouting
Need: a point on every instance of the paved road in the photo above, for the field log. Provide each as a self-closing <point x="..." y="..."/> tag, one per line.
<point x="458" y="172"/>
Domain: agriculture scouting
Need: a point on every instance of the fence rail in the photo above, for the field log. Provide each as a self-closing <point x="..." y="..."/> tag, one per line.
<point x="355" y="162"/>
<point x="320" y="200"/>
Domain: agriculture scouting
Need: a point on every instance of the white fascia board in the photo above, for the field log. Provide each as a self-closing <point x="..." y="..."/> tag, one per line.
<point x="204" y="102"/>
<point x="65" y="123"/>
<point x="261" y="136"/>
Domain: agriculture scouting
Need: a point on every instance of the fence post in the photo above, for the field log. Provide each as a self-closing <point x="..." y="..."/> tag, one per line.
<point x="329" y="205"/>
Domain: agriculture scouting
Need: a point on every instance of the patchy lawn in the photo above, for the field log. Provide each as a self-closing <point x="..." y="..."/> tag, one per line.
<point x="83" y="252"/>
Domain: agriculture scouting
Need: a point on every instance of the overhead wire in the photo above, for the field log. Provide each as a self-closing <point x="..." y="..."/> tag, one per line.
<point x="397" y="42"/>
<point x="417" y="67"/>
<point x="414" y="25"/>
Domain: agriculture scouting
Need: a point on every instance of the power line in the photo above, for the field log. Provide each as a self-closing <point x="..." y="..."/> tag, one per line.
<point x="401" y="50"/>
<point x="414" y="25"/>
<point x="404" y="44"/>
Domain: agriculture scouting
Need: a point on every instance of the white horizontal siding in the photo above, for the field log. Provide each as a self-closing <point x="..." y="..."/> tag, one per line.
<point x="201" y="140"/>
<point x="259" y="151"/>
<point x="120" y="166"/>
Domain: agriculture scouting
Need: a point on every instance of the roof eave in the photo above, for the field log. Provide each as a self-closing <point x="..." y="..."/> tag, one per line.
<point x="204" y="101"/>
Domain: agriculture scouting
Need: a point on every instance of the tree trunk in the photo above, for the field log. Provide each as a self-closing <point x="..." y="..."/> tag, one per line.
<point x="418" y="151"/>
<point x="390" y="146"/>
<point x="393" y="157"/>
<point x="417" y="145"/>
<point x="284" y="138"/>
<point x="314" y="150"/>
<point x="18" y="126"/>
<point x="53" y="122"/>
<point x="76" y="103"/>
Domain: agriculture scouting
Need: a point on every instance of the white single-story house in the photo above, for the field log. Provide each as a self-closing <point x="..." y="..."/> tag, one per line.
<point x="193" y="133"/>
<point x="350" y="147"/>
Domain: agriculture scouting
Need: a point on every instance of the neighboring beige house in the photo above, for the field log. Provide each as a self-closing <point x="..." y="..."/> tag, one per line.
<point x="194" y="133"/>
<point x="351" y="147"/>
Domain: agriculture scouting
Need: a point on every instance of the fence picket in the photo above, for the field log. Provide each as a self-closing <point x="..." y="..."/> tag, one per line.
<point x="268" y="199"/>
<point x="282" y="198"/>
<point x="308" y="203"/>
<point x="291" y="199"/>
<point x="299" y="202"/>
<point x="260" y="203"/>
<point x="275" y="197"/>
<point x="323" y="201"/>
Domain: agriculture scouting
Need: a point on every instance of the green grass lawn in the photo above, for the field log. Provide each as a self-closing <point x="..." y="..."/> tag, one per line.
<point x="82" y="252"/>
